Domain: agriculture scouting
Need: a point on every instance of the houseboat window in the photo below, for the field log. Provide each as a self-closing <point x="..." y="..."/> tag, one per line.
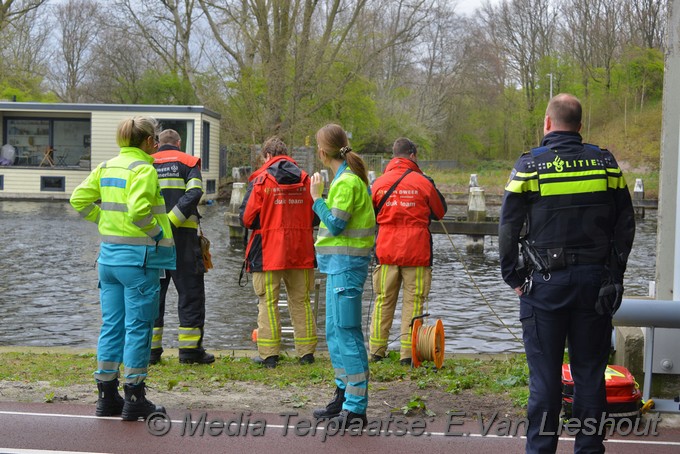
<point x="205" y="149"/>
<point x="185" y="129"/>
<point x="55" y="184"/>
<point x="210" y="186"/>
<point x="48" y="142"/>
<point x="2" y="182"/>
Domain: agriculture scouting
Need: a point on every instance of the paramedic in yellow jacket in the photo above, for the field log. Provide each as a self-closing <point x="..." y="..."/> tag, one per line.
<point x="343" y="251"/>
<point x="136" y="246"/>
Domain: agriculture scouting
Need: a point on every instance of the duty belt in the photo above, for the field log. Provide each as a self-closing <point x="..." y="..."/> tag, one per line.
<point x="552" y="257"/>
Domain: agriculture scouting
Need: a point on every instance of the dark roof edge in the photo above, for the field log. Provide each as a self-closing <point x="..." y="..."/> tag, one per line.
<point x="104" y="107"/>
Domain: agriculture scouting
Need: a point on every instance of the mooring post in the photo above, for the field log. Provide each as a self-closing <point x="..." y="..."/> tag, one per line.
<point x="639" y="194"/>
<point x="371" y="176"/>
<point x="237" y="194"/>
<point x="476" y="213"/>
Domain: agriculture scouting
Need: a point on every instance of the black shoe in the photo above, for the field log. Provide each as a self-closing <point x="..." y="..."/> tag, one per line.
<point x="377" y="358"/>
<point x="270" y="362"/>
<point x="137" y="405"/>
<point x="155" y="357"/>
<point x="307" y="359"/>
<point x="195" y="356"/>
<point x="109" y="402"/>
<point x="405" y="362"/>
<point x="346" y="419"/>
<point x="334" y="407"/>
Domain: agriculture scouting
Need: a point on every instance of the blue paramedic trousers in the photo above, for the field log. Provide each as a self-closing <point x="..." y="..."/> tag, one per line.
<point x="129" y="304"/>
<point x="344" y="337"/>
<point x="557" y="310"/>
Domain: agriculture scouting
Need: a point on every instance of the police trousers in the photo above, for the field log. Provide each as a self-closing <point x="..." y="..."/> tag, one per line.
<point x="345" y="339"/>
<point x="559" y="309"/>
<point x="129" y="304"/>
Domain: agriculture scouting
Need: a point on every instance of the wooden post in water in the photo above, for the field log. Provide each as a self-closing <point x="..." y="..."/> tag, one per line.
<point x="476" y="213"/>
<point x="238" y="191"/>
<point x="371" y="176"/>
<point x="639" y="194"/>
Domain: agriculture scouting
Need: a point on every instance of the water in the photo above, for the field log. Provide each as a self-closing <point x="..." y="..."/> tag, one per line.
<point x="49" y="295"/>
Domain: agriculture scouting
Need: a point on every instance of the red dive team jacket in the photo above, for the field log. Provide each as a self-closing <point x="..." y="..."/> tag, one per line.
<point x="404" y="237"/>
<point x="277" y="207"/>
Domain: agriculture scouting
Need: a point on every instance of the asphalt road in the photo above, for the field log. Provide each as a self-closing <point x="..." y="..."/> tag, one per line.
<point x="60" y="428"/>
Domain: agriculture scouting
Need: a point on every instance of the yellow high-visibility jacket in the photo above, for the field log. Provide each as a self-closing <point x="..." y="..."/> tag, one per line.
<point x="131" y="213"/>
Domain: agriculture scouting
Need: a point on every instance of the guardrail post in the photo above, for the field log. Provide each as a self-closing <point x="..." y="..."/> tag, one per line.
<point x="639" y="194"/>
<point x="476" y="213"/>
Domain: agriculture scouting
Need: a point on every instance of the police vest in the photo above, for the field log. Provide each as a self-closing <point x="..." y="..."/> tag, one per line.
<point x="575" y="210"/>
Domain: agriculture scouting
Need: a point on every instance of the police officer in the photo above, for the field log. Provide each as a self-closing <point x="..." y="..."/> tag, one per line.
<point x="179" y="175"/>
<point x="136" y="245"/>
<point x="580" y="224"/>
<point x="405" y="201"/>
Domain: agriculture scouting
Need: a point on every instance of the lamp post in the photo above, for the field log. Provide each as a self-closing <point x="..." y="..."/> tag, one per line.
<point x="550" y="75"/>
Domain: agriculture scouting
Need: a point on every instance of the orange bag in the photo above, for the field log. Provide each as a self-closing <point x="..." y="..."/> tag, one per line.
<point x="205" y="249"/>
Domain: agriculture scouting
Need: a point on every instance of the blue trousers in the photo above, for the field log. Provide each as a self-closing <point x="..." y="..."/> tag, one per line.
<point x="345" y="339"/>
<point x="557" y="310"/>
<point x="129" y="304"/>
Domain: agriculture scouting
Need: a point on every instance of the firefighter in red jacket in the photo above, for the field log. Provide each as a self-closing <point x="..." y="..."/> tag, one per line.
<point x="179" y="176"/>
<point x="277" y="207"/>
<point x="403" y="245"/>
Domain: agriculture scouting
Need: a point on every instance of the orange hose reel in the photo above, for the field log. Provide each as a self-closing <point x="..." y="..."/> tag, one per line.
<point x="427" y="343"/>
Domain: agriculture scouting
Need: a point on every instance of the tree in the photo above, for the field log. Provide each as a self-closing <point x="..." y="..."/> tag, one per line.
<point x="283" y="56"/>
<point x="23" y="55"/>
<point x="11" y="10"/>
<point x="78" y="23"/>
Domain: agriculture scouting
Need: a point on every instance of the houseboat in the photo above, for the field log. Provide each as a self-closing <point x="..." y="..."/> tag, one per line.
<point x="47" y="149"/>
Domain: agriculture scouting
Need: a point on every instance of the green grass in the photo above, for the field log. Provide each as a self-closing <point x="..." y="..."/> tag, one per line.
<point x="507" y="376"/>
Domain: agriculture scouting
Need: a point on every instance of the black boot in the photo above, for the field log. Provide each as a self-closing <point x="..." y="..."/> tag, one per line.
<point x="347" y="418"/>
<point x="195" y="356"/>
<point x="333" y="408"/>
<point x="137" y="405"/>
<point x="155" y="356"/>
<point x="109" y="403"/>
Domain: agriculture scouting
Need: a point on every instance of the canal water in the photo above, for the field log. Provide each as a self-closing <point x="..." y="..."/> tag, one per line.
<point x="49" y="296"/>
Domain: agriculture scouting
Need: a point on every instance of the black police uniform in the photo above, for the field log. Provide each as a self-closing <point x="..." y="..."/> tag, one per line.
<point x="577" y="209"/>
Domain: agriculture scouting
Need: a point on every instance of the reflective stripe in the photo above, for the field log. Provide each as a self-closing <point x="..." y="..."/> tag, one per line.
<point x="113" y="206"/>
<point x="108" y="365"/>
<point x="146" y="220"/>
<point x="88" y="209"/>
<point x="344" y="250"/>
<point x="195" y="183"/>
<point x="306" y="340"/>
<point x="268" y="342"/>
<point x="523" y="182"/>
<point x="137" y="164"/>
<point x="356" y="391"/>
<point x="157" y="338"/>
<point x="363" y="376"/>
<point x="135" y="375"/>
<point x="350" y="233"/>
<point x="158" y="209"/>
<point x="136" y="241"/>
<point x="573" y="187"/>
<point x="340" y="214"/>
<point x="171" y="183"/>
<point x="189" y="337"/>
<point x="272" y="306"/>
<point x="113" y="182"/>
<point x="340" y="375"/>
<point x="178" y="214"/>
